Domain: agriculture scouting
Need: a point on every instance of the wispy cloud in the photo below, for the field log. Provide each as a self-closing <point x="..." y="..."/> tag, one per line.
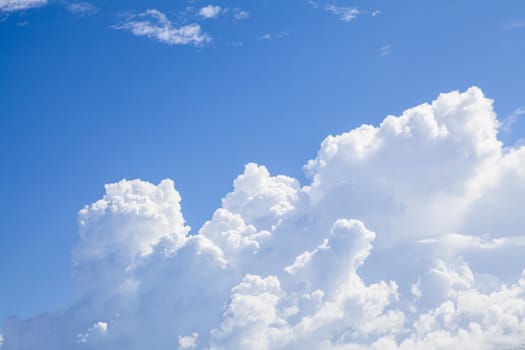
<point x="385" y="50"/>
<point x="18" y="5"/>
<point x="313" y="3"/>
<point x="237" y="43"/>
<point x="239" y="14"/>
<point x="268" y="36"/>
<point x="346" y="14"/>
<point x="376" y="13"/>
<point x="82" y="8"/>
<point x="516" y="24"/>
<point x="210" y="11"/>
<point x="154" y="24"/>
<point x="507" y="123"/>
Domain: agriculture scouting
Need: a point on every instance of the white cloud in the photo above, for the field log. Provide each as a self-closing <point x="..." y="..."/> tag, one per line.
<point x="188" y="341"/>
<point x="409" y="235"/>
<point x="239" y="14"/>
<point x="346" y="14"/>
<point x="154" y="24"/>
<point x="376" y="13"/>
<point x="210" y="11"/>
<point x="17" y="5"/>
<point x="97" y="330"/>
<point x="466" y="242"/>
<point x="82" y="8"/>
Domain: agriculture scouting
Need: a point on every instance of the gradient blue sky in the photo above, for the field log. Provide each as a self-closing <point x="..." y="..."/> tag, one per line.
<point x="83" y="104"/>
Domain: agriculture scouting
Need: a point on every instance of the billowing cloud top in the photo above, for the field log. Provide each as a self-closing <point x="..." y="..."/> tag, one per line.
<point x="408" y="237"/>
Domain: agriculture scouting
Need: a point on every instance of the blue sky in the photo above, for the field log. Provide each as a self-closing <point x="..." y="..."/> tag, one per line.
<point x="85" y="102"/>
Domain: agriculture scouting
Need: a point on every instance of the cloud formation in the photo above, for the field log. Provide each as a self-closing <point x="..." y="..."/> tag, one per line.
<point x="17" y="5"/>
<point x="239" y="14"/>
<point x="154" y="24"/>
<point x="346" y="14"/>
<point x="409" y="235"/>
<point x="210" y="11"/>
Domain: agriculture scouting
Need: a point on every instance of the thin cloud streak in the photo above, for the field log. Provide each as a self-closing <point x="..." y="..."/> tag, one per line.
<point x="346" y="14"/>
<point x="155" y="25"/>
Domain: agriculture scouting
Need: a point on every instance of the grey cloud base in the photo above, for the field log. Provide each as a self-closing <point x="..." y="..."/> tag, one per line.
<point x="408" y="237"/>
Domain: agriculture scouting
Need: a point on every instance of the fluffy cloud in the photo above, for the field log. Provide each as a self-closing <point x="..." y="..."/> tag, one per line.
<point x="17" y="5"/>
<point x="154" y="24"/>
<point x="210" y="11"/>
<point x="409" y="235"/>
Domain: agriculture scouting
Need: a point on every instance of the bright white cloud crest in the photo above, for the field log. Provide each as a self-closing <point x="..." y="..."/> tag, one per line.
<point x="408" y="237"/>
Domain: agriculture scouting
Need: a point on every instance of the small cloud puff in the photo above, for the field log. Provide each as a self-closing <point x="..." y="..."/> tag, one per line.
<point x="188" y="342"/>
<point x="239" y="14"/>
<point x="209" y="11"/>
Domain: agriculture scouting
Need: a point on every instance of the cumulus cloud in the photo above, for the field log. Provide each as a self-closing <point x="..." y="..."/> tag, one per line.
<point x="346" y="14"/>
<point x="154" y="24"/>
<point x="17" y="5"/>
<point x="210" y="11"/>
<point x="408" y="235"/>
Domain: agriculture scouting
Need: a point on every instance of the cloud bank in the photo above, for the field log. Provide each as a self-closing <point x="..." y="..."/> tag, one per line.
<point x="408" y="236"/>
